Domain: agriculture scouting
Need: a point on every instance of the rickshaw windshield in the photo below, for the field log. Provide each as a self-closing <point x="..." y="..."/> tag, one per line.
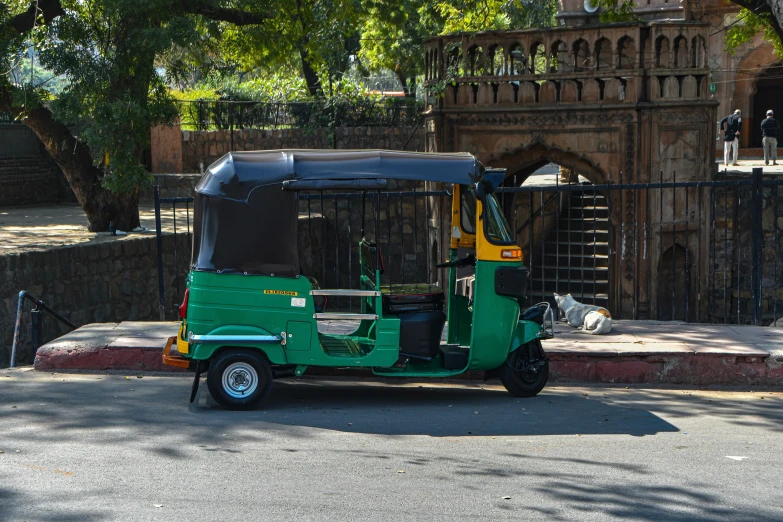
<point x="467" y="211"/>
<point x="495" y="225"/>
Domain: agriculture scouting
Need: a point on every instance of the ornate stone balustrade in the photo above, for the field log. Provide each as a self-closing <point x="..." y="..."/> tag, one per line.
<point x="607" y="64"/>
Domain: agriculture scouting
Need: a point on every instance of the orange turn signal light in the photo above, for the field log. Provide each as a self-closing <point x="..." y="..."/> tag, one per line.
<point x="511" y="253"/>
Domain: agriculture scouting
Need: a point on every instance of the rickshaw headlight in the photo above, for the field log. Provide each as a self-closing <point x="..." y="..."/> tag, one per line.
<point x="511" y="253"/>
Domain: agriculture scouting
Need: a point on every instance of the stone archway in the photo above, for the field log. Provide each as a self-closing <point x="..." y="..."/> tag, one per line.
<point x="524" y="161"/>
<point x="768" y="96"/>
<point x="566" y="249"/>
<point x="749" y="70"/>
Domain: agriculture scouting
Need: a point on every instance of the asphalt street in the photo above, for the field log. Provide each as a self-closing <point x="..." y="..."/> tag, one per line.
<point x="115" y="447"/>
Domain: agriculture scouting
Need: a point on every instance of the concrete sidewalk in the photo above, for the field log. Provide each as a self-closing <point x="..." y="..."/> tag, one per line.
<point x="25" y="229"/>
<point x="634" y="352"/>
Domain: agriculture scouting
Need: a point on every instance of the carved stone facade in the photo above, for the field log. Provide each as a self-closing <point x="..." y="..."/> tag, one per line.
<point x="624" y="103"/>
<point x="747" y="80"/>
<point x="589" y="98"/>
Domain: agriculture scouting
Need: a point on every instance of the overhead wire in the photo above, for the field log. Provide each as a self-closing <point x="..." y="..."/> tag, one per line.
<point x="739" y="19"/>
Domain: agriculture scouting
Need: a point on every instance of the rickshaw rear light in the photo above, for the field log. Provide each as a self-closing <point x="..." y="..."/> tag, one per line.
<point x="511" y="253"/>
<point x="183" y="308"/>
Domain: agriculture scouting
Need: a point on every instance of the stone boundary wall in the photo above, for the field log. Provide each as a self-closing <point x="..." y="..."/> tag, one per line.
<point x="202" y="148"/>
<point x="88" y="283"/>
<point x="171" y="186"/>
<point x="732" y="247"/>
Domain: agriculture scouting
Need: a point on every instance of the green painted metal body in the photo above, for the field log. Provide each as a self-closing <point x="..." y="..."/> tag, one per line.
<point x="495" y="319"/>
<point x="234" y="304"/>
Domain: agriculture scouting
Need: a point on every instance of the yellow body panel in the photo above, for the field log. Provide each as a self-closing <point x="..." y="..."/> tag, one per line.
<point x="182" y="345"/>
<point x="459" y="238"/>
<point x="487" y="251"/>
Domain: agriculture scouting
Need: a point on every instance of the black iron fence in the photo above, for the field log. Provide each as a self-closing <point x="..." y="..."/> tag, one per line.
<point x="172" y="265"/>
<point x="228" y="115"/>
<point x="331" y="227"/>
<point x="665" y="250"/>
<point x="400" y="225"/>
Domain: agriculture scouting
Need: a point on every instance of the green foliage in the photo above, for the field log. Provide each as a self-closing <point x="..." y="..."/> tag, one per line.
<point x="277" y="87"/>
<point x="616" y="11"/>
<point x="106" y="50"/>
<point x="392" y="37"/>
<point x="393" y="33"/>
<point x="29" y="71"/>
<point x="524" y="14"/>
<point x="472" y="15"/>
<point x="114" y="63"/>
<point x="748" y="27"/>
<point x="322" y="33"/>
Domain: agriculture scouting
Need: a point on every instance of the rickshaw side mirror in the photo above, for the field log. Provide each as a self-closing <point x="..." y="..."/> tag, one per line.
<point x="481" y="192"/>
<point x="483" y="188"/>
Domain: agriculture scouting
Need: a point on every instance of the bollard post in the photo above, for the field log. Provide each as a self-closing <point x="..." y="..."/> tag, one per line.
<point x="36" y="328"/>
<point x="159" y="240"/>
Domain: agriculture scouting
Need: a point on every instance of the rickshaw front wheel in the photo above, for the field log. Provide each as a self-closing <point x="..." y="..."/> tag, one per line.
<point x="526" y="370"/>
<point x="239" y="379"/>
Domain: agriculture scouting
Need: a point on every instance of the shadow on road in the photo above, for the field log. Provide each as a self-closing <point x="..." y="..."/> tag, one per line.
<point x="16" y="505"/>
<point x="445" y="411"/>
<point x="150" y="418"/>
<point x="159" y="406"/>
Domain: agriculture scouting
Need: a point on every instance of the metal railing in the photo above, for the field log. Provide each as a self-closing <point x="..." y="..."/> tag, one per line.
<point x="36" y="325"/>
<point x="6" y="118"/>
<point x="228" y="115"/>
<point x="178" y="257"/>
<point x="704" y="251"/>
<point x="403" y="225"/>
<point x="707" y="251"/>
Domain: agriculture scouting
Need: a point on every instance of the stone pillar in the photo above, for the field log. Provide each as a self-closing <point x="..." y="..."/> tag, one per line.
<point x="166" y="149"/>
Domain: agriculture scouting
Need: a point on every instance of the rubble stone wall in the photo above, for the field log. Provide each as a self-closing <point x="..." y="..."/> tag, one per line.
<point x="201" y="148"/>
<point x="88" y="283"/>
<point x="731" y="295"/>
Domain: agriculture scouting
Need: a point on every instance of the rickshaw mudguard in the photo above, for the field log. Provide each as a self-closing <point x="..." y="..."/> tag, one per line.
<point x="273" y="351"/>
<point x="525" y="332"/>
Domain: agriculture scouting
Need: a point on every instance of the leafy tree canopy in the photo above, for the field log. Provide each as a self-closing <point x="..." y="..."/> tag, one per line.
<point x="393" y="34"/>
<point x="107" y="50"/>
<point x="118" y="64"/>
<point x="750" y="24"/>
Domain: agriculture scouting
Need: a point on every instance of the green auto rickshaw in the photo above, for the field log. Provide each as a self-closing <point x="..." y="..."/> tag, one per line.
<point x="249" y="313"/>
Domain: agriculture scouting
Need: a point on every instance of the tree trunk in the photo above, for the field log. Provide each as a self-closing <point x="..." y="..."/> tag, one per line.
<point x="776" y="8"/>
<point x="408" y="86"/>
<point x="101" y="205"/>
<point x="311" y="77"/>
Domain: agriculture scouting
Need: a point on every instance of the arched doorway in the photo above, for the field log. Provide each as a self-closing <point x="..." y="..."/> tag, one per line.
<point x="676" y="292"/>
<point x="564" y="233"/>
<point x="750" y="68"/>
<point x="769" y="95"/>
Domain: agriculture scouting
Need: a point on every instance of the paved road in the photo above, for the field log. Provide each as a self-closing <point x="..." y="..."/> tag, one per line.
<point x="107" y="447"/>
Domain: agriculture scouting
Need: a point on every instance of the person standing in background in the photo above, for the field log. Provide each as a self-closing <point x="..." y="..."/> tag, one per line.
<point x="731" y="137"/>
<point x="770" y="130"/>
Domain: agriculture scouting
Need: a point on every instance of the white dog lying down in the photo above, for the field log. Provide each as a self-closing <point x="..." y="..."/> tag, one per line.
<point x="588" y="318"/>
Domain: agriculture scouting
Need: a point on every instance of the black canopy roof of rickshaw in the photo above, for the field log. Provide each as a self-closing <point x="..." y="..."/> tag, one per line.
<point x="235" y="175"/>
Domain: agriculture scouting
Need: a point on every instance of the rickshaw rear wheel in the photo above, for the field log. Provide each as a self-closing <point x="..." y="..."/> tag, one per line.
<point x="526" y="370"/>
<point x="239" y="379"/>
